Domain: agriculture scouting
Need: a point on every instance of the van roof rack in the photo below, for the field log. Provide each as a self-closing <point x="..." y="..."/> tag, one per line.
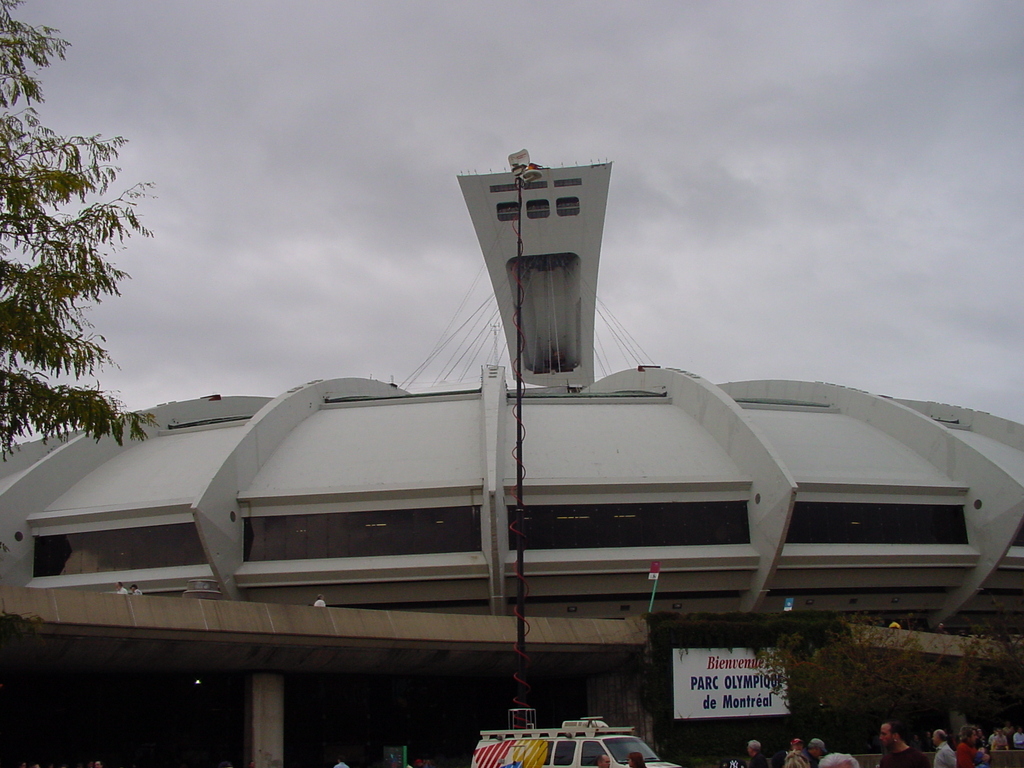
<point x="585" y="726"/>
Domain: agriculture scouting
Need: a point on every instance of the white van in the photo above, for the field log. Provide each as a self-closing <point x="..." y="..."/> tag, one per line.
<point x="576" y="744"/>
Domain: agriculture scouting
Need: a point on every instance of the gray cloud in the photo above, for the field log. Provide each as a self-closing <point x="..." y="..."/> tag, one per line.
<point x="830" y="192"/>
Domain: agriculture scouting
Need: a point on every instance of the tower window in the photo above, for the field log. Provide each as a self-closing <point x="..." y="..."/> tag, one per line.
<point x="568" y="206"/>
<point x="538" y="209"/>
<point x="508" y="211"/>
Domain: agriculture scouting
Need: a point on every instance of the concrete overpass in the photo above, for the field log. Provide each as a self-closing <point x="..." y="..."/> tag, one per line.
<point x="89" y="631"/>
<point x="97" y="632"/>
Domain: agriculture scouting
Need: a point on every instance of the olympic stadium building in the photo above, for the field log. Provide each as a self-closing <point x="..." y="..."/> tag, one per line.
<point x="752" y="496"/>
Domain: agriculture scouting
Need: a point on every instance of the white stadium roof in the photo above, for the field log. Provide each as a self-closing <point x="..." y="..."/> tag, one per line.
<point x="746" y="494"/>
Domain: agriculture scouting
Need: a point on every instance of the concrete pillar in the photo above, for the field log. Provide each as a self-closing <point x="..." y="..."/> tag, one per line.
<point x="264" y="719"/>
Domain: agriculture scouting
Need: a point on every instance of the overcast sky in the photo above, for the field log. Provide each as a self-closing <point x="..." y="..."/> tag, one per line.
<point x="815" y="191"/>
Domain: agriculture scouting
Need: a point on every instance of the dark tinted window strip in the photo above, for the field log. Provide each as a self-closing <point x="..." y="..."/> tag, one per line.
<point x="353" y="534"/>
<point x="819" y="522"/>
<point x="156" y="546"/>
<point x="894" y="590"/>
<point x="568" y="182"/>
<point x="419" y="606"/>
<point x="208" y="422"/>
<point x="581" y="526"/>
<point x="629" y="596"/>
<point x="406" y="396"/>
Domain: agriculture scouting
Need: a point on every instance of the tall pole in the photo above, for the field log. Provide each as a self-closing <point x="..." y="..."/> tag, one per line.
<point x="523" y="171"/>
<point x="522" y="688"/>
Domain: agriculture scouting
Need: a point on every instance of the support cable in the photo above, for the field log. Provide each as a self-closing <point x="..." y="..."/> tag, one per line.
<point x="601" y="356"/>
<point x="445" y="338"/>
<point x="444" y="342"/>
<point x="474" y="350"/>
<point x="613" y="322"/>
<point x="620" y="342"/>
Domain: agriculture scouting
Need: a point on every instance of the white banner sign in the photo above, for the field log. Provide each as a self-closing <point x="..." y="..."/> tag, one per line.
<point x="722" y="683"/>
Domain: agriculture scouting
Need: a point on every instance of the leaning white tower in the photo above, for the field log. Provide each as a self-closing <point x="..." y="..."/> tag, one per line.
<point x="561" y="234"/>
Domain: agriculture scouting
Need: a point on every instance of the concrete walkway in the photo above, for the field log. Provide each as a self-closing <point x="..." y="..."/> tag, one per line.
<point x="88" y="631"/>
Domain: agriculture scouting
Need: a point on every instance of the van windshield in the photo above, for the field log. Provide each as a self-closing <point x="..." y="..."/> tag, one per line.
<point x="621" y="746"/>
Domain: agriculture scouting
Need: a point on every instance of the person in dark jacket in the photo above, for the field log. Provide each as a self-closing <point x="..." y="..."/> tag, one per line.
<point x="757" y="760"/>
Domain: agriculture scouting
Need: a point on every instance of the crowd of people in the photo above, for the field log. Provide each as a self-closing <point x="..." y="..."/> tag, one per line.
<point x="970" y="747"/>
<point x="901" y="748"/>
<point x="90" y="764"/>
<point x="799" y="755"/>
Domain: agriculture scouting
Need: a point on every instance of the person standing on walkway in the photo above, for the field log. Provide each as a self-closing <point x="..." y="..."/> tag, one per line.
<point x="966" y="750"/>
<point x="814" y="752"/>
<point x="838" y="760"/>
<point x="757" y="760"/>
<point x="945" y="757"/>
<point x="898" y="753"/>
